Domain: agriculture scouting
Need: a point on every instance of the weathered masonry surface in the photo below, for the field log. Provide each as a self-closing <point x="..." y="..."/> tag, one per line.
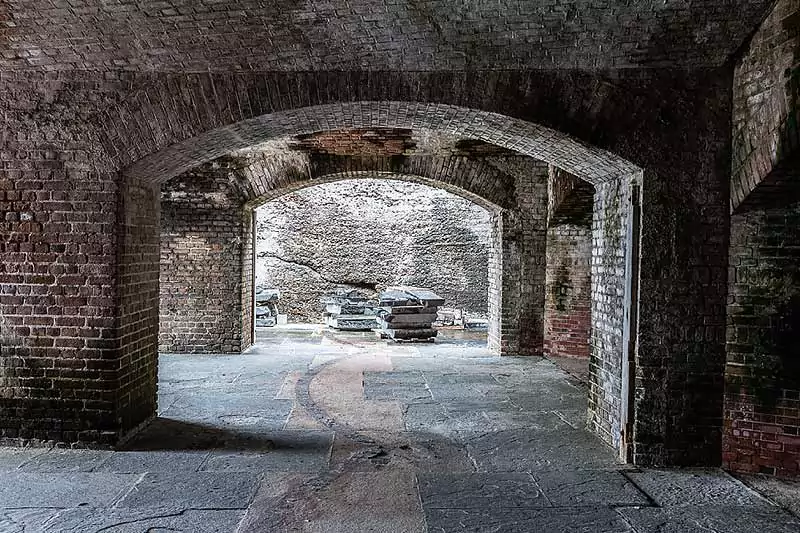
<point x="766" y="92"/>
<point x="568" y="277"/>
<point x="204" y="257"/>
<point x="676" y="117"/>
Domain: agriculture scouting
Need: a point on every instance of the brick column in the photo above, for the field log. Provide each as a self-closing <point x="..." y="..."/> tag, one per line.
<point x="762" y="381"/>
<point x="517" y="267"/>
<point x="206" y="236"/>
<point x="567" y="316"/>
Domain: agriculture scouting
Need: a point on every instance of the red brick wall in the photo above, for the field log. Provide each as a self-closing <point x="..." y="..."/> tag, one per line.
<point x="762" y="391"/>
<point x="203" y="243"/>
<point x="567" y="315"/>
<point x="58" y="237"/>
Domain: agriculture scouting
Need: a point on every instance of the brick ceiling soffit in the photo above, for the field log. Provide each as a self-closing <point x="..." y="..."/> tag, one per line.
<point x="591" y="163"/>
<point x="168" y="36"/>
<point x="779" y="189"/>
<point x="373" y="174"/>
<point x="272" y="171"/>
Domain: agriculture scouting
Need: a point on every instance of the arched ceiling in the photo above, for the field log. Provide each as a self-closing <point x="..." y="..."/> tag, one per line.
<point x="202" y="35"/>
<point x="259" y="176"/>
<point x="444" y="128"/>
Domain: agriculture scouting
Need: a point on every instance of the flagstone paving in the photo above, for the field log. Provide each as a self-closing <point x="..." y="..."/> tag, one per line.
<point x="312" y="431"/>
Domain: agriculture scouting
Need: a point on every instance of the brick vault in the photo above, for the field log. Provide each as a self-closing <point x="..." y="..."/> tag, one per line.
<point x="640" y="164"/>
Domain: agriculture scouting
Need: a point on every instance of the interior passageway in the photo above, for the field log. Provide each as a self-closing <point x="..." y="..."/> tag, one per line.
<point x="314" y="431"/>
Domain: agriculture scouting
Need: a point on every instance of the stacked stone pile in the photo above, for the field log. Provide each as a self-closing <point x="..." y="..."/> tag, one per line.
<point x="408" y="313"/>
<point x="349" y="310"/>
<point x="266" y="306"/>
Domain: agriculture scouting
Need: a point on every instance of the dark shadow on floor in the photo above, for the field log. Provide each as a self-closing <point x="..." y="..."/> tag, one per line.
<point x="165" y="434"/>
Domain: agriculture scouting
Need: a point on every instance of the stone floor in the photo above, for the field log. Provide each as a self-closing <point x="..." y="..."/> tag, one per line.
<point x="316" y="432"/>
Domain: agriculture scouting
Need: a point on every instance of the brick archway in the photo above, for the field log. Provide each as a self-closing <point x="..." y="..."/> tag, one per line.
<point x="592" y="164"/>
<point x="516" y="271"/>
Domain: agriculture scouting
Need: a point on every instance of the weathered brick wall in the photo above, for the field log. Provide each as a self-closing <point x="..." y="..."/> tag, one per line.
<point x="570" y="203"/>
<point x="494" y="269"/>
<point x="58" y="236"/>
<point x="674" y="124"/>
<point x="372" y="233"/>
<point x="202" y="275"/>
<point x="516" y="263"/>
<point x="248" y="277"/>
<point x="137" y="311"/>
<point x="569" y="199"/>
<point x="762" y="390"/>
<point x="766" y="91"/>
<point x="608" y="285"/>
<point x="568" y="290"/>
<point x="531" y="238"/>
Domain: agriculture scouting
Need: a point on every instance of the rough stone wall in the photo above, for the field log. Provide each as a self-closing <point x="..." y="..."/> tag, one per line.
<point x="568" y="290"/>
<point x="766" y="91"/>
<point x="608" y="284"/>
<point x="371" y="233"/>
<point x="762" y="399"/>
<point x="202" y="251"/>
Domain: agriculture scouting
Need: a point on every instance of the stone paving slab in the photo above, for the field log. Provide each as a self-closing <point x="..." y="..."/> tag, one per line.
<point x="289" y="451"/>
<point x="408" y="451"/>
<point x="265" y="461"/>
<point x="26" y="520"/>
<point x="783" y="492"/>
<point x="201" y="490"/>
<point x="13" y="458"/>
<point x="526" y="450"/>
<point x="218" y="406"/>
<point x="480" y="491"/>
<point x="712" y="519"/>
<point x="385" y="501"/>
<point x="573" y="488"/>
<point x="166" y="434"/>
<point x="430" y="417"/>
<point x="152" y="461"/>
<point x="62" y="490"/>
<point x="91" y="520"/>
<point x="60" y="460"/>
<point x="693" y="487"/>
<point x="276" y="489"/>
<point x="403" y="386"/>
<point x="504" y="520"/>
<point x="576" y="418"/>
<point x="466" y="420"/>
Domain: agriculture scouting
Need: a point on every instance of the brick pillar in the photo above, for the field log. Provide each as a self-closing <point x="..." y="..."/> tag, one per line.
<point x="137" y="313"/>
<point x="762" y="376"/>
<point x="516" y="267"/>
<point x="567" y="316"/>
<point x="59" y="340"/>
<point x="205" y="238"/>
